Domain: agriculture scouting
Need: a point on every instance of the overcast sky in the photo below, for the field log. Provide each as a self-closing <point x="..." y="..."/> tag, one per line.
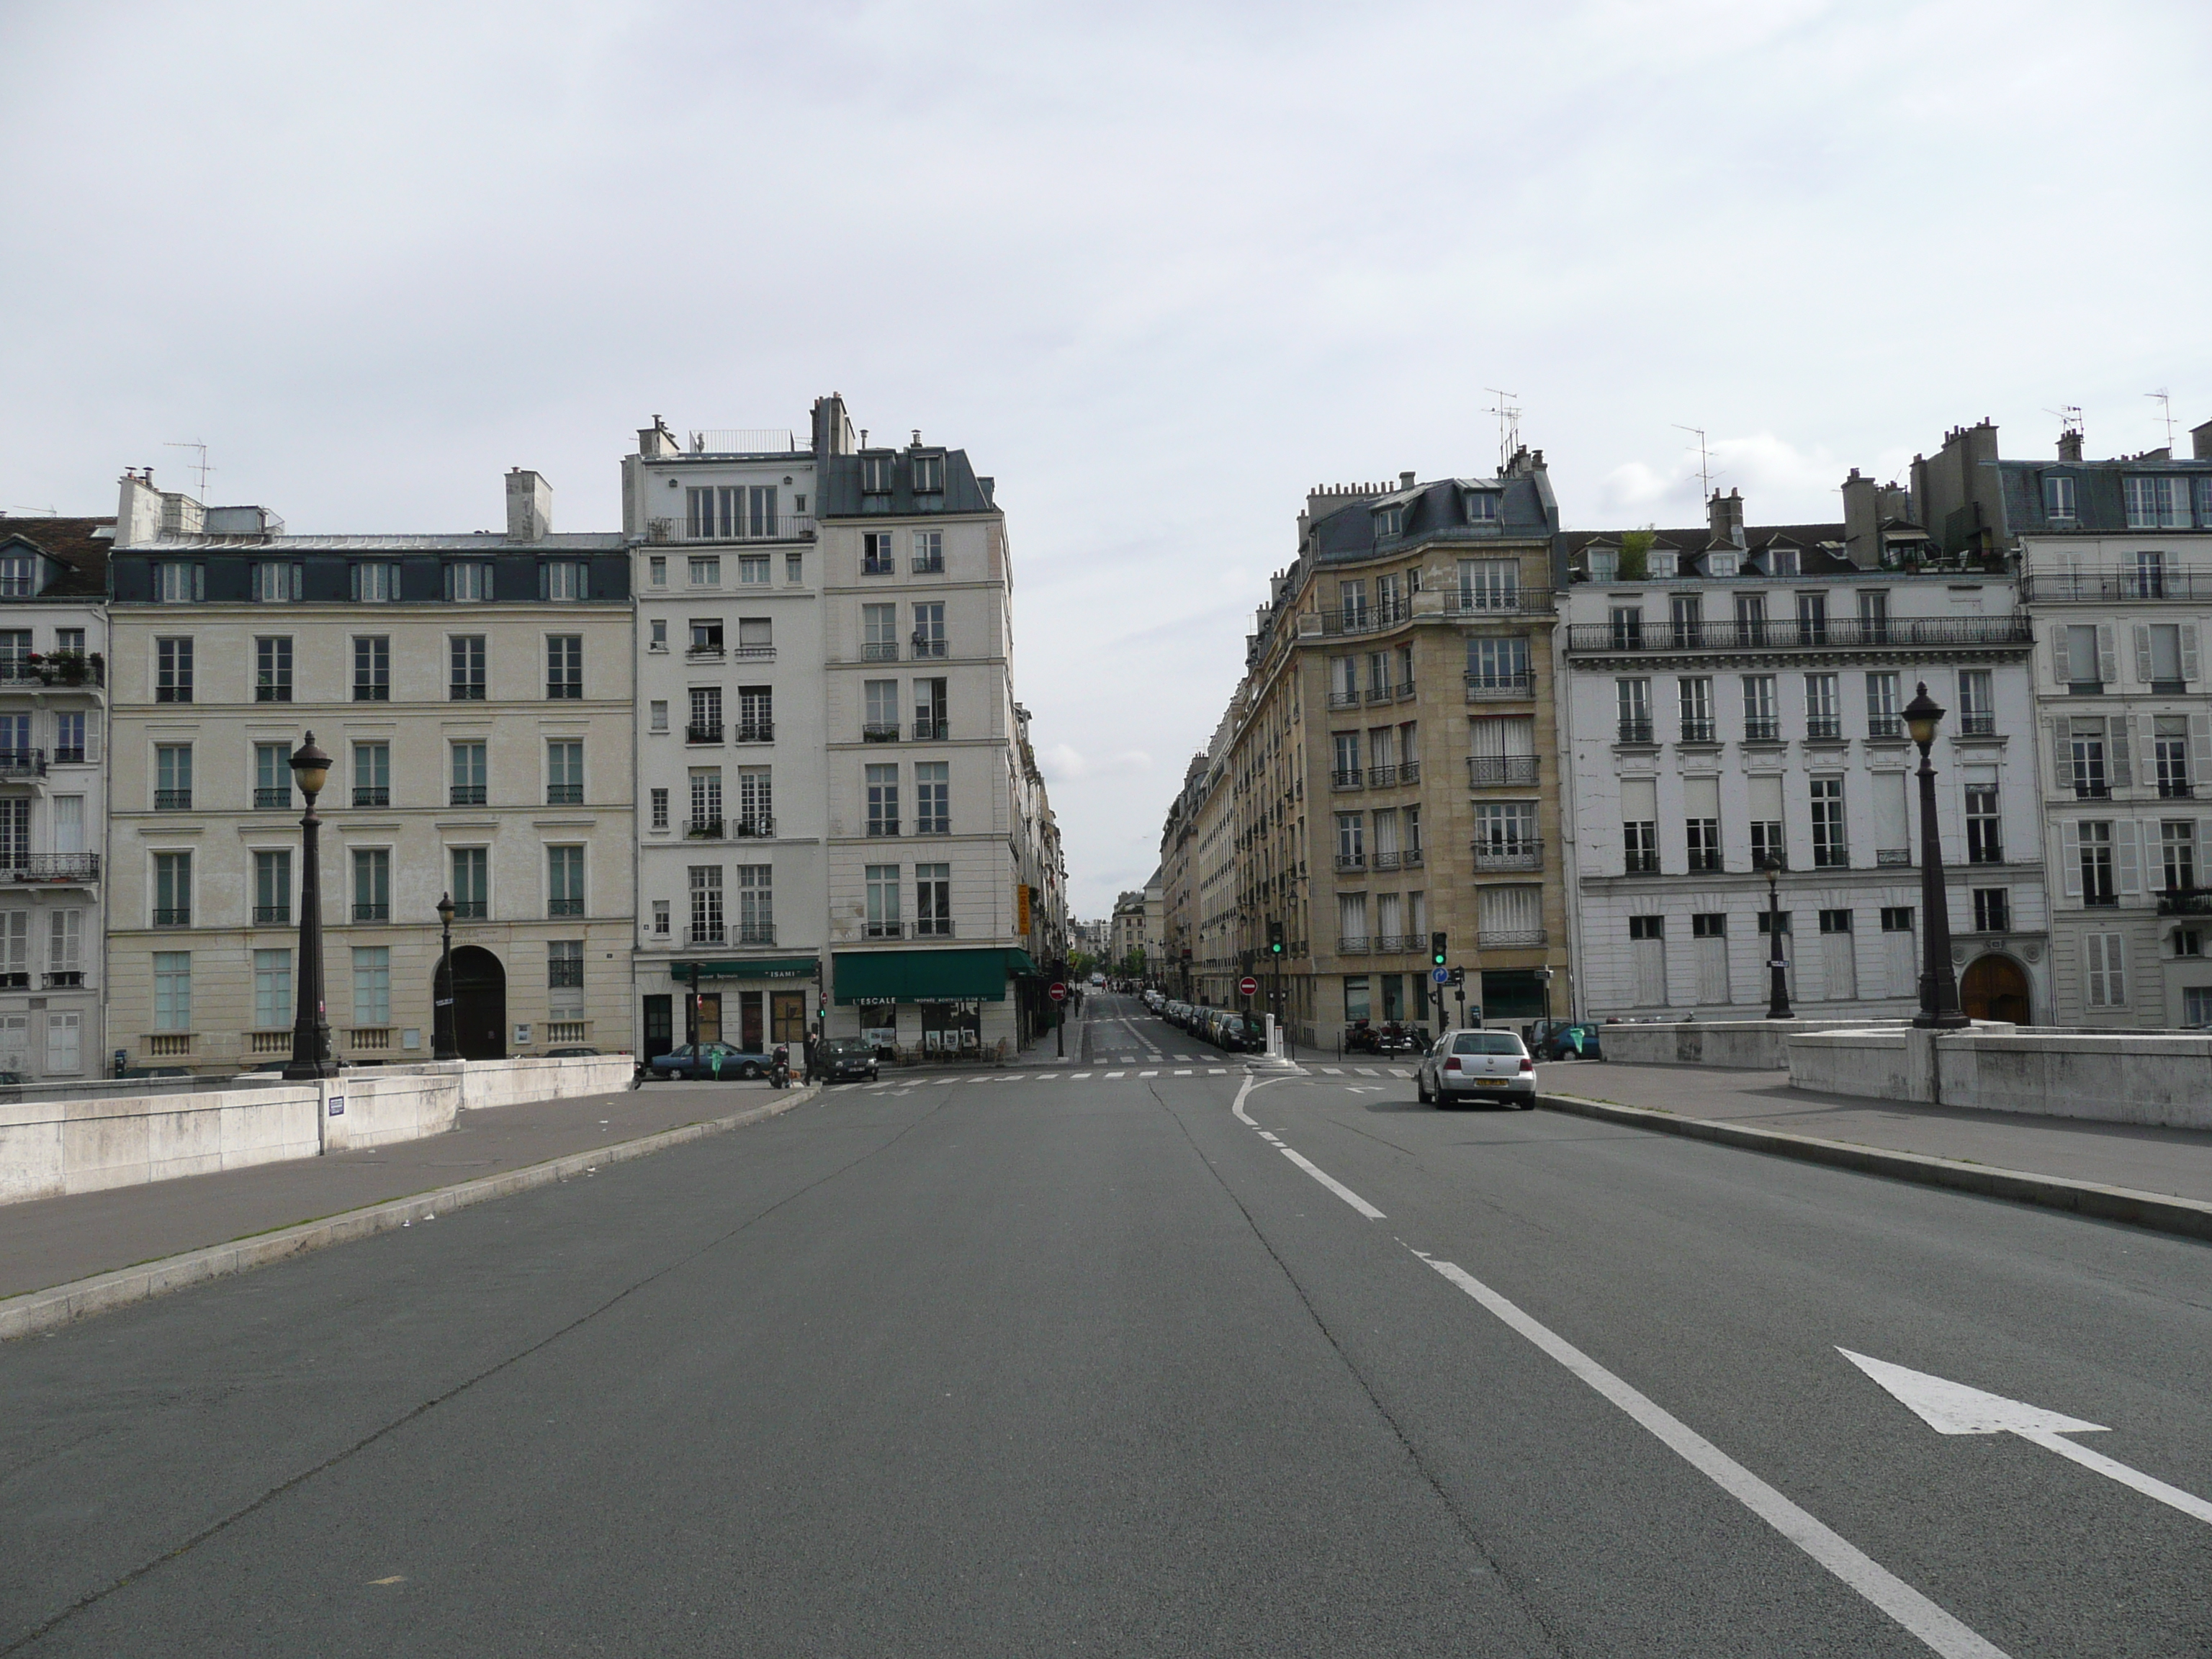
<point x="1160" y="268"/>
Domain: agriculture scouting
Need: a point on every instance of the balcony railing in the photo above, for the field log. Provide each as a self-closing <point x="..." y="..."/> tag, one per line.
<point x="57" y="668"/>
<point x="1347" y="778"/>
<point x="1886" y="729"/>
<point x="64" y="978"/>
<point x="1374" y="694"/>
<point x="880" y="732"/>
<point x="472" y="909"/>
<point x="1351" y="945"/>
<point x="883" y="826"/>
<point x="702" y="651"/>
<point x="466" y="794"/>
<point x="17" y="868"/>
<point x="172" y="915"/>
<point x="1977" y="725"/>
<point x="272" y="915"/>
<point x="1351" y="860"/>
<point x="1499" y="687"/>
<point x="705" y="934"/>
<point x="710" y="732"/>
<point x="26" y="763"/>
<point x="765" y="527"/>
<point x="1824" y="728"/>
<point x="1385" y="777"/>
<point x="1366" y="618"/>
<point x="272" y="798"/>
<point x="1696" y="731"/>
<point x="1640" y="864"/>
<point x="759" y="824"/>
<point x="925" y="649"/>
<point x="564" y="794"/>
<point x="1510" y="939"/>
<point x="934" y="927"/>
<point x="757" y="932"/>
<point x="2186" y="901"/>
<point x="1490" y="771"/>
<point x="2176" y="789"/>
<point x="879" y="651"/>
<point x="373" y="911"/>
<point x="1516" y="854"/>
<point x="564" y="906"/>
<point x="1762" y="728"/>
<point x="372" y="794"/>
<point x="70" y="754"/>
<point x="1405" y="860"/>
<point x="885" y="565"/>
<point x="465" y="691"/>
<point x="1344" y="700"/>
<point x="1633" y="731"/>
<point x="272" y="691"/>
<point x="933" y="826"/>
<point x="931" y="731"/>
<point x="883" y="930"/>
<point x="1843" y="634"/>
<point x="704" y="829"/>
<point x="2124" y="582"/>
<point x="753" y="732"/>
<point x="172" y="800"/>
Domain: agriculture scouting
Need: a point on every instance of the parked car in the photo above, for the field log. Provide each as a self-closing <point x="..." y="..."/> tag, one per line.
<point x="576" y="1052"/>
<point x="841" y="1060"/>
<point x="1565" y="1039"/>
<point x="1468" y="1065"/>
<point x="697" y="1063"/>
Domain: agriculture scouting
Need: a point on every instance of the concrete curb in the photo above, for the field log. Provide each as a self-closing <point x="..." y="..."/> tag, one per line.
<point x="2185" y="1217"/>
<point x="37" y="1311"/>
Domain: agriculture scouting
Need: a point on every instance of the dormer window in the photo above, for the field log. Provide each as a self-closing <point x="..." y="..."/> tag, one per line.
<point x="876" y="474"/>
<point x="1482" y="507"/>
<point x="929" y="475"/>
<point x="2156" y="503"/>
<point x="1659" y="563"/>
<point x="1783" y="561"/>
<point x="1604" y="564"/>
<point x="19" y="576"/>
<point x="2057" y="497"/>
<point x="1390" y="522"/>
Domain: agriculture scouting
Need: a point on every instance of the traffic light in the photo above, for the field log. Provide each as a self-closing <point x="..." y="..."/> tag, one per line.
<point x="1437" y="951"/>
<point x="1274" y="938"/>
<point x="1459" y="975"/>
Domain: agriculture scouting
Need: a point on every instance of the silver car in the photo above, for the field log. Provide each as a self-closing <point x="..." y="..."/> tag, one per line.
<point x="1483" y="1065"/>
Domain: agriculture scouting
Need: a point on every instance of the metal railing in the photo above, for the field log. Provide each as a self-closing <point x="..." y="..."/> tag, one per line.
<point x="1524" y="853"/>
<point x="466" y="794"/>
<point x="879" y="651"/>
<point x="26" y="763"/>
<point x="933" y="826"/>
<point x="53" y="670"/>
<point x="1490" y="771"/>
<point x="272" y="798"/>
<point x="1491" y="687"/>
<point x="934" y="927"/>
<point x="465" y="691"/>
<point x="62" y="978"/>
<point x="695" y="653"/>
<point x="927" y="567"/>
<point x="1824" y="728"/>
<point x="1405" y="860"/>
<point x="711" y="934"/>
<point x="757" y="932"/>
<point x="372" y="912"/>
<point x="18" y="867"/>
<point x="926" y="649"/>
<point x="1633" y="731"/>
<point x="273" y="692"/>
<point x="753" y="732"/>
<point x="70" y="754"/>
<point x="1366" y="618"/>
<point x="472" y="909"/>
<point x="1351" y="860"/>
<point x="172" y="915"/>
<point x="882" y="827"/>
<point x="708" y="733"/>
<point x="372" y="794"/>
<point x="1344" y="700"/>
<point x="1510" y="939"/>
<point x="883" y="930"/>
<point x="2176" y="789"/>
<point x="760" y="825"/>
<point x="1843" y="634"/>
<point x="1375" y="694"/>
<point x="880" y="732"/>
<point x="564" y="906"/>
<point x="1978" y="725"/>
<point x="1347" y="778"/>
<point x="768" y="527"/>
<point x="2185" y="902"/>
<point x="1885" y="727"/>
<point x="1694" y="731"/>
<point x="564" y="794"/>
<point x="1762" y="728"/>
<point x="1514" y="601"/>
<point x="2116" y="582"/>
<point x="704" y="829"/>
<point x="172" y="800"/>
<point x="1353" y="945"/>
<point x="932" y="731"/>
<point x="272" y="915"/>
<point x="1640" y="864"/>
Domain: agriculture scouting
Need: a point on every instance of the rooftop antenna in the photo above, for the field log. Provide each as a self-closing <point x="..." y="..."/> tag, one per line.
<point x="1509" y="424"/>
<point x="1704" y="461"/>
<point x="2070" y="419"/>
<point x="200" y="466"/>
<point x="49" y="512"/>
<point x="2166" y="404"/>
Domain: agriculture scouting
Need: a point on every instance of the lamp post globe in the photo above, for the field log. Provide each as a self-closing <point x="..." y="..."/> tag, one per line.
<point x="311" y="1026"/>
<point x="1778" y="974"/>
<point x="1939" y="982"/>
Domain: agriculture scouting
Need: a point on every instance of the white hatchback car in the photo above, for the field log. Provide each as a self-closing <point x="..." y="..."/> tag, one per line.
<point x="1476" y="1066"/>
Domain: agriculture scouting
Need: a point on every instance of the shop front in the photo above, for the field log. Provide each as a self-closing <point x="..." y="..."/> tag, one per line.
<point x="753" y="1005"/>
<point x="931" y="1005"/>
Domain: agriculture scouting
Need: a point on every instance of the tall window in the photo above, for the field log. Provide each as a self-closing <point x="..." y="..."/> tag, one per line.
<point x="173" y="990"/>
<point x="372" y="884"/>
<point x="372" y="774"/>
<point x="1977" y="704"/>
<point x="929" y="475"/>
<point x="1490" y="584"/>
<point x="564" y="977"/>
<point x="473" y="881"/>
<point x="2156" y="503"/>
<point x="176" y="582"/>
<point x="1632" y="700"/>
<point x="173" y="669"/>
<point x="564" y="579"/>
<point x="272" y="669"/>
<point x="65" y="947"/>
<point x="932" y="901"/>
<point x="1812" y="618"/>
<point x="756" y="904"/>
<point x="465" y="657"/>
<point x="928" y="550"/>
<point x="752" y="570"/>
<point x="2105" y="970"/>
<point x="1829" y="850"/>
<point x="1504" y="829"/>
<point x="376" y="581"/>
<point x="1639" y="823"/>
<point x="1497" y="664"/>
<point x="755" y="714"/>
<point x="880" y="724"/>
<point x="881" y="783"/>
<point x="1992" y="909"/>
<point x="882" y="889"/>
<point x="1696" y="692"/>
<point x="705" y="722"/>
<point x="2081" y="664"/>
<point x="472" y="775"/>
<point x="2086" y="757"/>
<point x="1984" y="826"/>
<point x="1750" y="619"/>
<point x="564" y="666"/>
<point x="1882" y="718"/>
<point x="706" y="904"/>
<point x="1701" y="802"/>
<point x="272" y="777"/>
<point x="68" y="738"/>
<point x="2057" y="497"/>
<point x="1352" y="601"/>
<point x="173" y="777"/>
<point x="932" y="715"/>
<point x="2149" y="575"/>
<point x="468" y="582"/>
<point x="706" y="821"/>
<point x="1823" y="719"/>
<point x="372" y="985"/>
<point x="272" y="990"/>
<point x="1347" y="773"/>
<point x="879" y="633"/>
<point x="173" y="889"/>
<point x="272" y="888"/>
<point x="2096" y="863"/>
<point x="659" y="800"/>
<point x="2170" y="753"/>
<point x="1685" y="621"/>
<point x="564" y="773"/>
<point x="1351" y="841"/>
<point x="372" y="668"/>
<point x="2159" y="657"/>
<point x="932" y="803"/>
<point x="876" y="558"/>
<point x="756" y="801"/>
<point x="2178" y="854"/>
<point x="1873" y="618"/>
<point x="1760" y="722"/>
<point x="273" y="583"/>
<point x="929" y="629"/>
<point x="565" y="881"/>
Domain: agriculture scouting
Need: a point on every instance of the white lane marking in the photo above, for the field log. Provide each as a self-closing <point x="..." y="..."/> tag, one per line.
<point x="1366" y="1070"/>
<point x="1954" y="1408"/>
<point x="1332" y="1183"/>
<point x="1914" y="1612"/>
<point x="1182" y="1071"/>
<point x="1333" y="1071"/>
<point x="1216" y="1071"/>
<point x="1115" y="1074"/>
<point x="1148" y="1074"/>
<point x="1397" y="1071"/>
<point x="1080" y="1077"/>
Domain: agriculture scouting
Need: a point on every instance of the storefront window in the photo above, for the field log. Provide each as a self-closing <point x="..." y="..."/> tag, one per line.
<point x="951" y="1027"/>
<point x="879" y="1025"/>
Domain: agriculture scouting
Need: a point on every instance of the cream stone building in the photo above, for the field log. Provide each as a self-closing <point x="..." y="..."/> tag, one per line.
<point x="475" y="693"/>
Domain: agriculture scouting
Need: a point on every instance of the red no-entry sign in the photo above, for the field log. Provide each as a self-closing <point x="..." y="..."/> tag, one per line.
<point x="1058" y="991"/>
<point x="1248" y="986"/>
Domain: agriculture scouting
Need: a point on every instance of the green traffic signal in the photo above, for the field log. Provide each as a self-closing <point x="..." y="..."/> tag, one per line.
<point x="1437" y="951"/>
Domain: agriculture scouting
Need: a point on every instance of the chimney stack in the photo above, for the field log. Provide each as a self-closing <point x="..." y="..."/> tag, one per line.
<point x="2200" y="441"/>
<point x="1406" y="480"/>
<point x="529" y="507"/>
<point x="2069" y="444"/>
<point x="1724" y="516"/>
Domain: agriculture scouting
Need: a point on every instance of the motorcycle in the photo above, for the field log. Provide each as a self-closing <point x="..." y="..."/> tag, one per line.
<point x="778" y="1075"/>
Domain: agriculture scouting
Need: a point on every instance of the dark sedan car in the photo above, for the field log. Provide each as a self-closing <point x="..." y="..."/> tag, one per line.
<point x="841" y="1060"/>
<point x="709" y="1062"/>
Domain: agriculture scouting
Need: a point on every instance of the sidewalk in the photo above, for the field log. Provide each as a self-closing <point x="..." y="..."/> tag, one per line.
<point x="2171" y="1163"/>
<point x="54" y="1241"/>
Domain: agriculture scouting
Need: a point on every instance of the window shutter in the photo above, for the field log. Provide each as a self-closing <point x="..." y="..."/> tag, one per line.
<point x="2062" y="758"/>
<point x="2143" y="654"/>
<point x="2200" y="749"/>
<point x="2108" y="663"/>
<point x="2058" y="665"/>
<point x="2188" y="650"/>
<point x="2116" y="752"/>
<point x="545" y="580"/>
<point x="2070" y="855"/>
<point x="2126" y="867"/>
<point x="583" y="569"/>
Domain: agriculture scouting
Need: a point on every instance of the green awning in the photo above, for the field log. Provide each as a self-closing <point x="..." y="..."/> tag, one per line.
<point x="926" y="975"/>
<point x="766" y="967"/>
<point x="1017" y="962"/>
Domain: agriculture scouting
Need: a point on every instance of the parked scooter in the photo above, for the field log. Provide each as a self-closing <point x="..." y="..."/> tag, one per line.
<point x="779" y="1074"/>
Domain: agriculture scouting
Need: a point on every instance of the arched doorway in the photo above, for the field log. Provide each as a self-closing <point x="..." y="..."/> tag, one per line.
<point x="1994" y="987"/>
<point x="479" y="1003"/>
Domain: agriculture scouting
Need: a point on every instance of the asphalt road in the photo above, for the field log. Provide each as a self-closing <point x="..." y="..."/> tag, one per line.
<point x="1080" y="1363"/>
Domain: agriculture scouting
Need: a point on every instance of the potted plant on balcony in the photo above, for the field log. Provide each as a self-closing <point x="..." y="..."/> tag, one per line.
<point x="62" y="667"/>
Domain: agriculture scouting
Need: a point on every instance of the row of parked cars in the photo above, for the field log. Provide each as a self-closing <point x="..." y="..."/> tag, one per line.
<point x="1225" y="1028"/>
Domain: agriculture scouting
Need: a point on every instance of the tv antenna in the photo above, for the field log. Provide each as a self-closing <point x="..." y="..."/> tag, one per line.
<point x="2165" y="406"/>
<point x="200" y="466"/>
<point x="49" y="511"/>
<point x="1705" y="460"/>
<point x="2069" y="418"/>
<point x="1508" y="423"/>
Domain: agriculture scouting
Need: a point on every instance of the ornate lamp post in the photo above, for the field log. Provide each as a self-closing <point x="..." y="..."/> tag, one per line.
<point x="311" y="1026"/>
<point x="443" y="1046"/>
<point x="1939" y="986"/>
<point x="1777" y="984"/>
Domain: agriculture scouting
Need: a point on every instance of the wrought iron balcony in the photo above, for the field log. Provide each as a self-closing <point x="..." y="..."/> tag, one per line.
<point x="880" y="732"/>
<point x="925" y="647"/>
<point x="1842" y="634"/>
<point x="1493" y="771"/>
<point x="1351" y="945"/>
<point x="934" y="927"/>
<point x="172" y="915"/>
<point x="2185" y="902"/>
<point x="704" y="933"/>
<point x="472" y="909"/>
<point x="759" y="824"/>
<point x="710" y="732"/>
<point x="1410" y="859"/>
<point x="757" y="932"/>
<point x="753" y="732"/>
<point x="1633" y="731"/>
<point x="564" y="794"/>
<point x="2170" y="788"/>
<point x="18" y="868"/>
<point x="272" y="798"/>
<point x="704" y="829"/>
<point x="1824" y="728"/>
<point x="1520" y="854"/>
<point x="564" y="906"/>
<point x="26" y="763"/>
<point x="931" y="731"/>
<point x="1640" y="864"/>
<point x="745" y="528"/>
<point x="1499" y="687"/>
<point x="1762" y="728"/>
<point x="1344" y="700"/>
<point x="1698" y="731"/>
<point x="172" y="800"/>
<point x="1510" y="939"/>
<point x="1977" y="725"/>
<point x="1351" y="860"/>
<point x="466" y="794"/>
<point x="879" y="651"/>
<point x="372" y="794"/>
<point x="1886" y="729"/>
<point x="272" y="915"/>
<point x="373" y="911"/>
<point x="893" y="929"/>
<point x="1349" y="777"/>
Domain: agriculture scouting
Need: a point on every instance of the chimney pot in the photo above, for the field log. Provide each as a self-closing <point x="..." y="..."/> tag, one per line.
<point x="529" y="507"/>
<point x="1406" y="480"/>
<point x="2069" y="445"/>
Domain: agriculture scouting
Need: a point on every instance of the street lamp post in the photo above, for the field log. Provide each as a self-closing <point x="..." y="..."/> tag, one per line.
<point x="441" y="1022"/>
<point x="1777" y="986"/>
<point x="311" y="1026"/>
<point x="1544" y="979"/>
<point x="1939" y="986"/>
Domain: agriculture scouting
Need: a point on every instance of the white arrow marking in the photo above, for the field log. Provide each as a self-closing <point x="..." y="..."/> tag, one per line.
<point x="1954" y="1408"/>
